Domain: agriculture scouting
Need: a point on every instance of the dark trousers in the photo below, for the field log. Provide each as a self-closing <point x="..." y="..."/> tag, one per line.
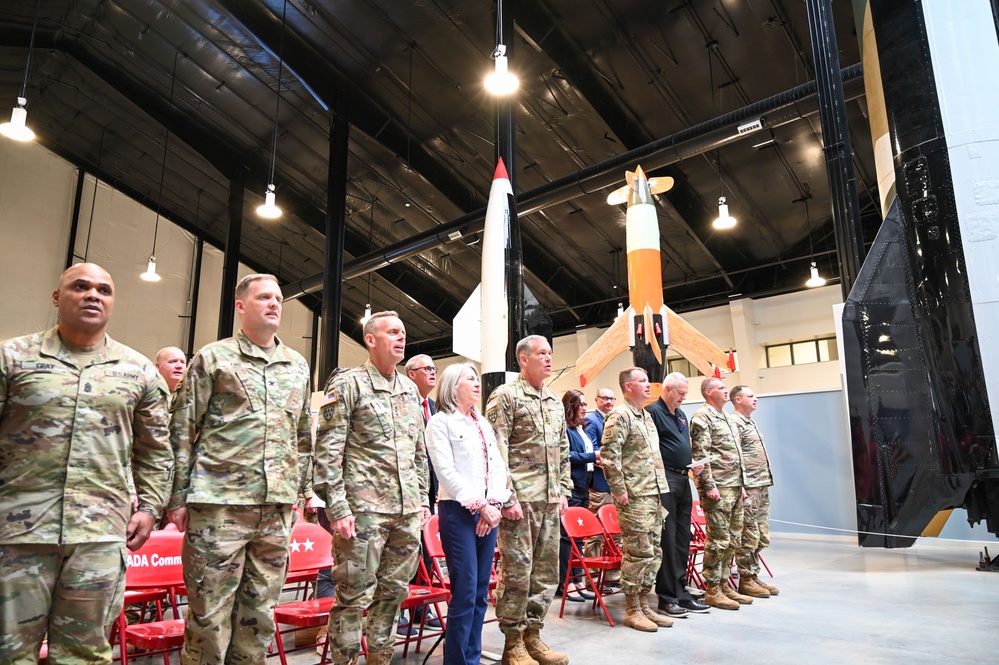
<point x="671" y="581"/>
<point x="469" y="563"/>
<point x="580" y="497"/>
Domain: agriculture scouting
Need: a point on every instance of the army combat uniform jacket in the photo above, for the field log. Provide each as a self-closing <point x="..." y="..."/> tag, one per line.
<point x="713" y="433"/>
<point x="629" y="452"/>
<point x="530" y="431"/>
<point x="241" y="426"/>
<point x="66" y="436"/>
<point x="370" y="451"/>
<point x="754" y="453"/>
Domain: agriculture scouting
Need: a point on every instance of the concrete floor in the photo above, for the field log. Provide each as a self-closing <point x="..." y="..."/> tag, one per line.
<point x="839" y="603"/>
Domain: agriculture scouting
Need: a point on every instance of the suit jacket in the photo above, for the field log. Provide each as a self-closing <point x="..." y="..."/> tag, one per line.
<point x="578" y="459"/>
<point x="594" y="428"/>
<point x="434" y="484"/>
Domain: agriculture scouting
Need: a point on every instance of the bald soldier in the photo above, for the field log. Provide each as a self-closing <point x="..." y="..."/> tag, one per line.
<point x="242" y="436"/>
<point x="75" y="405"/>
<point x="529" y="420"/>
<point x="171" y="363"/>
<point x="371" y="470"/>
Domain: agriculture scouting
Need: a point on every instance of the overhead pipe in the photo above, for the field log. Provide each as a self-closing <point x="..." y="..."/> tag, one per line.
<point x="781" y="109"/>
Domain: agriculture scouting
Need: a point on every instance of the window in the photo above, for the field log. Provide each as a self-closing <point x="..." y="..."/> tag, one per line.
<point x="681" y="365"/>
<point x="802" y="353"/>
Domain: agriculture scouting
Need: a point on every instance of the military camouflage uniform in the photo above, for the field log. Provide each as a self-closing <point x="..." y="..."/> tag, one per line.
<point x="371" y="462"/>
<point x="66" y="435"/>
<point x="756" y="511"/>
<point x="713" y="432"/>
<point x="632" y="463"/>
<point x="242" y="438"/>
<point x="530" y="431"/>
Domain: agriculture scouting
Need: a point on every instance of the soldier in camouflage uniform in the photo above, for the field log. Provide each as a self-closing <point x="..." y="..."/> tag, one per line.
<point x="371" y="470"/>
<point x="720" y="484"/>
<point x="756" y="508"/>
<point x="75" y="405"/>
<point x="529" y="421"/>
<point x="241" y="436"/>
<point x="633" y="468"/>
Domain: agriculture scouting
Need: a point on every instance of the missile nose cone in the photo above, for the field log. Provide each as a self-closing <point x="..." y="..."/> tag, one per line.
<point x="500" y="171"/>
<point x="639" y="173"/>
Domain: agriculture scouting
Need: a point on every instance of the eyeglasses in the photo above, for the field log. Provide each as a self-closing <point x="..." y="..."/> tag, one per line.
<point x="607" y="399"/>
<point x="428" y="368"/>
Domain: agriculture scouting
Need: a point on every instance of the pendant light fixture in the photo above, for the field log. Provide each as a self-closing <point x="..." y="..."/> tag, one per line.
<point x="501" y="81"/>
<point x="816" y="279"/>
<point x="270" y="209"/>
<point x="371" y="244"/>
<point x="17" y="129"/>
<point x="151" y="275"/>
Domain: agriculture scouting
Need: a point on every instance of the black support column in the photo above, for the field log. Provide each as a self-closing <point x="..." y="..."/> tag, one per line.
<point x="336" y="228"/>
<point x="192" y="318"/>
<point x="836" y="142"/>
<point x="81" y="176"/>
<point x="230" y="265"/>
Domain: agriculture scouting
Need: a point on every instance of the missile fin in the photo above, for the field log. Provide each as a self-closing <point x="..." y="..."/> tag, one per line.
<point x="611" y="344"/>
<point x="650" y="335"/>
<point x="692" y="345"/>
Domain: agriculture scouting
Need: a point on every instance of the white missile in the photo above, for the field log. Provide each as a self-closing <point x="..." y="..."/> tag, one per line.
<point x="481" y="328"/>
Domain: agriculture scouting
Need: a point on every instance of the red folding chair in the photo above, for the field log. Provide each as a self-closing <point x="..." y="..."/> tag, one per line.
<point x="156" y="565"/>
<point x="580" y="524"/>
<point x="311" y="548"/>
<point x="695" y="556"/>
<point x="612" y="527"/>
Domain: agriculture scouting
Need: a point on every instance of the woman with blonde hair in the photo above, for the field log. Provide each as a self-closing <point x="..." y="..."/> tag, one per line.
<point x="473" y="487"/>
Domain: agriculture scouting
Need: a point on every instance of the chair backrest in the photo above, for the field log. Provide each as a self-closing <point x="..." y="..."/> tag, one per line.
<point x="157" y="563"/>
<point x="579" y="522"/>
<point x="608" y="517"/>
<point x="697" y="514"/>
<point x="432" y="538"/>
<point x="311" y="547"/>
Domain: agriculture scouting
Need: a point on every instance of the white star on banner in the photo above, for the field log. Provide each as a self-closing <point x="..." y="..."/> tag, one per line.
<point x="296" y="546"/>
<point x="308" y="545"/>
<point x="579" y="521"/>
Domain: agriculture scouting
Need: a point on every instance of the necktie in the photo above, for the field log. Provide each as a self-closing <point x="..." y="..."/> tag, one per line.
<point x="426" y="410"/>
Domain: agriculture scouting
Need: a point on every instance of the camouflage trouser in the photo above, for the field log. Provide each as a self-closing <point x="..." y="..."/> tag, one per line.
<point x="529" y="572"/>
<point x="372" y="572"/>
<point x="594" y="545"/>
<point x="72" y="592"/>
<point x="235" y="562"/>
<point x="641" y="525"/>
<point x="755" y="530"/>
<point x="724" y="533"/>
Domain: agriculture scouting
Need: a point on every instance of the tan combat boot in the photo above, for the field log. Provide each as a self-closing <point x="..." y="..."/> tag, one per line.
<point x="635" y="618"/>
<point x="540" y="651"/>
<point x="732" y="594"/>
<point x="379" y="657"/>
<point x="714" y="597"/>
<point x="749" y="586"/>
<point x="651" y="614"/>
<point x="515" y="652"/>
<point x="769" y="587"/>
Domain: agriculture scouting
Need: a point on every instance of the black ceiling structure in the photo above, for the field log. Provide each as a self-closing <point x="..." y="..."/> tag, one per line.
<point x="599" y="78"/>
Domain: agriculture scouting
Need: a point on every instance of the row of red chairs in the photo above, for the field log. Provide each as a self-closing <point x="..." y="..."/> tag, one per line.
<point x="155" y="573"/>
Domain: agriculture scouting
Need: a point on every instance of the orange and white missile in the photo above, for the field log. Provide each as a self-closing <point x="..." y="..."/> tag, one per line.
<point x="648" y="326"/>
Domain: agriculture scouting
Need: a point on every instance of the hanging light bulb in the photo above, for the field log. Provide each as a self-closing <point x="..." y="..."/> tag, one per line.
<point x="367" y="314"/>
<point x="16" y="128"/>
<point x="816" y="279"/>
<point x="269" y="209"/>
<point x="150" y="275"/>
<point x="725" y="220"/>
<point x="620" y="311"/>
<point x="501" y="81"/>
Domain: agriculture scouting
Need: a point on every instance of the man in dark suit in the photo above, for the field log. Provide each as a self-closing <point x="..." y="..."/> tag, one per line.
<point x="422" y="371"/>
<point x="599" y="490"/>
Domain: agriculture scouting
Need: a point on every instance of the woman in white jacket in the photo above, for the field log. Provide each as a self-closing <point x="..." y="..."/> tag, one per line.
<point x="473" y="487"/>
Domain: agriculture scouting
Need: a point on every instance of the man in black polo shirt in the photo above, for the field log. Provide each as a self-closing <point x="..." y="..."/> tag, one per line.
<point x="674" y="446"/>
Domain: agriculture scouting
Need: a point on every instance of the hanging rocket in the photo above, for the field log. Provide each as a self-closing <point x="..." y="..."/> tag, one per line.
<point x="481" y="328"/>
<point x="648" y="327"/>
